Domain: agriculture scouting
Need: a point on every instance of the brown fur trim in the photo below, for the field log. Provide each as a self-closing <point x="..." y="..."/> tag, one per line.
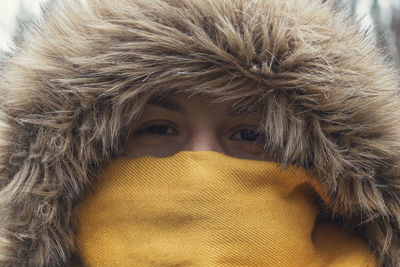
<point x="73" y="89"/>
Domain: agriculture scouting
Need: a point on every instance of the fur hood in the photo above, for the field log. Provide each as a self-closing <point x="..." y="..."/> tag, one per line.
<point x="78" y="80"/>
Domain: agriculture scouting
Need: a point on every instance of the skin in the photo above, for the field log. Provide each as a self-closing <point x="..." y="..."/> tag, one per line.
<point x="199" y="126"/>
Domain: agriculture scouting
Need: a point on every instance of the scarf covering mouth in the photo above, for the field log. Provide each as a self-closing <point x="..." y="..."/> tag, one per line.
<point x="204" y="208"/>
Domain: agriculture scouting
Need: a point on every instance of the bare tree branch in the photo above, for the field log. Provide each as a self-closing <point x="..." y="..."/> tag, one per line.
<point x="395" y="27"/>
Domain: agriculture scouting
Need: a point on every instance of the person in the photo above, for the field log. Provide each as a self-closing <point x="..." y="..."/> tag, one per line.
<point x="196" y="132"/>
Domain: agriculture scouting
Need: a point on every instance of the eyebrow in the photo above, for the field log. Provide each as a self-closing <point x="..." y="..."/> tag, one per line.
<point x="173" y="106"/>
<point x="167" y="104"/>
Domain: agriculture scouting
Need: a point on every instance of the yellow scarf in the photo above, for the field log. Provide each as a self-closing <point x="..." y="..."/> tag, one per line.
<point x="204" y="208"/>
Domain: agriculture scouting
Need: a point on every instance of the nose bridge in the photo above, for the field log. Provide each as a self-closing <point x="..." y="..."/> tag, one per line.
<point x="204" y="139"/>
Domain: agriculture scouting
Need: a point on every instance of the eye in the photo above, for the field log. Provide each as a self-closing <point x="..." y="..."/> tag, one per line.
<point x="248" y="136"/>
<point x="156" y="130"/>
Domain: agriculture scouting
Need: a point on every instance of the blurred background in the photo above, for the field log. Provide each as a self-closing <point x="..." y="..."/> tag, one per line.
<point x="381" y="16"/>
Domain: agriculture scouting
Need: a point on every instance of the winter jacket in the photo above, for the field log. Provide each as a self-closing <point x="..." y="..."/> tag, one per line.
<point x="80" y="77"/>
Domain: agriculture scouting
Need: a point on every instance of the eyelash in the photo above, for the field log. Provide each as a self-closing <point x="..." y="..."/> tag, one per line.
<point x="255" y="136"/>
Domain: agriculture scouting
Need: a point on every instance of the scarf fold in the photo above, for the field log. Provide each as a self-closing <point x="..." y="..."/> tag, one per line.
<point x="203" y="208"/>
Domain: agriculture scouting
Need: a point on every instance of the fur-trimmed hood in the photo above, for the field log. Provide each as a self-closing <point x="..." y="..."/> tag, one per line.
<point x="78" y="80"/>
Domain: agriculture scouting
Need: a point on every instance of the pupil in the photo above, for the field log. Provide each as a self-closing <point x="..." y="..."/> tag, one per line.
<point x="159" y="129"/>
<point x="249" y="135"/>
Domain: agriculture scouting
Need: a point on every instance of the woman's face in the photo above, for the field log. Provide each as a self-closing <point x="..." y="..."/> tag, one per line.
<point x="178" y="123"/>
